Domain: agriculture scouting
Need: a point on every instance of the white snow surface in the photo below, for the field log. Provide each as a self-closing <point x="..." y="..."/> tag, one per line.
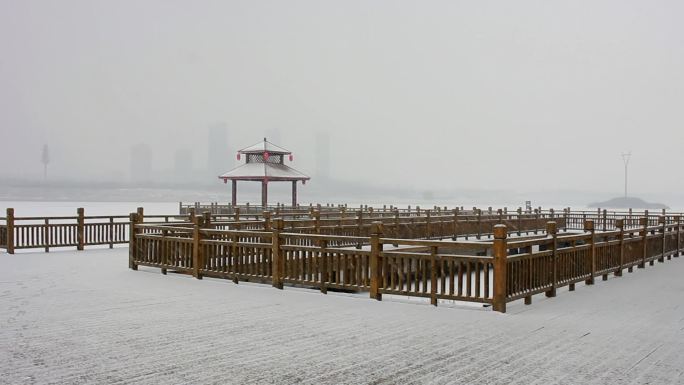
<point x="72" y="317"/>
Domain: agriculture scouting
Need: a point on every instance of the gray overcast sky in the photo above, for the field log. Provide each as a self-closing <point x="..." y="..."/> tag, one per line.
<point x="519" y="95"/>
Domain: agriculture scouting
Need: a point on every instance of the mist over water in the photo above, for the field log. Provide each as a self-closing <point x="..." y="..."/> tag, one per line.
<point x="389" y="102"/>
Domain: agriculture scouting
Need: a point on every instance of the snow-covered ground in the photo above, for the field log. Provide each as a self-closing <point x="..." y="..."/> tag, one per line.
<point x="82" y="317"/>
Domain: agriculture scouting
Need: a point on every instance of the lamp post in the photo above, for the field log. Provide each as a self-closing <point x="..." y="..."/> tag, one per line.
<point x="625" y="160"/>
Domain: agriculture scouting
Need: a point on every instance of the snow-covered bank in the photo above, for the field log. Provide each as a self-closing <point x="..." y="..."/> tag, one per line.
<point x="83" y="317"/>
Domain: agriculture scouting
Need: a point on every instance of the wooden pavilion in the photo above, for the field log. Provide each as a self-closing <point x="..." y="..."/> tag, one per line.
<point x="264" y="162"/>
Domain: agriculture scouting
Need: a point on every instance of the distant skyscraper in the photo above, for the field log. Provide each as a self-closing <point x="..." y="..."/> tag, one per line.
<point x="322" y="140"/>
<point x="182" y="165"/>
<point x="218" y="154"/>
<point x="141" y="163"/>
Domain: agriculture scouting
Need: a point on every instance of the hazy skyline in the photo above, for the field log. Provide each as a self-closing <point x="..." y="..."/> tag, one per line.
<point x="521" y="96"/>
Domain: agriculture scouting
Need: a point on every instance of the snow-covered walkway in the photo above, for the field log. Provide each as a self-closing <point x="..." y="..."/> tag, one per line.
<point x="83" y="317"/>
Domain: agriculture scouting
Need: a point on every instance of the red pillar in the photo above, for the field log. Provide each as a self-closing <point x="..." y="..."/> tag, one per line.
<point x="234" y="190"/>
<point x="294" y="193"/>
<point x="264" y="194"/>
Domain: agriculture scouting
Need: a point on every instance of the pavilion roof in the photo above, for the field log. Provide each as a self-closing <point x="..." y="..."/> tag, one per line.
<point x="264" y="146"/>
<point x="262" y="171"/>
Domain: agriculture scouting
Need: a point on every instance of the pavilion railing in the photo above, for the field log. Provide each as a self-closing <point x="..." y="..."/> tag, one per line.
<point x="493" y="271"/>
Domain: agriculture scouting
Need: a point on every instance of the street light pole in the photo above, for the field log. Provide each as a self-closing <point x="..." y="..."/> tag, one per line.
<point x="625" y="160"/>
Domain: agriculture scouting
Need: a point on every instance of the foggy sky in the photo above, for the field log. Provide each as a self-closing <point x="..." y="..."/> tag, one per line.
<point x="517" y="95"/>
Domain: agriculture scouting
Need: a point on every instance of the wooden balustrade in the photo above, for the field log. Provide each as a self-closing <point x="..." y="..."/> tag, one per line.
<point x="460" y="255"/>
<point x="68" y="231"/>
<point x="493" y="271"/>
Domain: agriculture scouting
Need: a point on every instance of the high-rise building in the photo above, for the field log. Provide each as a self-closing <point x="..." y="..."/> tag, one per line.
<point x="182" y="165"/>
<point x="141" y="164"/>
<point x="218" y="155"/>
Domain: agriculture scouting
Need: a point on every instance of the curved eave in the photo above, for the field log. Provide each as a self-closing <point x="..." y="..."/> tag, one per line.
<point x="262" y="178"/>
<point x="264" y="171"/>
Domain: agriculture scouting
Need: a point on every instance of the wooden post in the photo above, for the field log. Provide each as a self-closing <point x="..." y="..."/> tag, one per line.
<point x="479" y="223"/>
<point x="132" y="242"/>
<point x="552" y="231"/>
<point x="80" y="229"/>
<point x="233" y="199"/>
<point x="317" y="221"/>
<point x="519" y="219"/>
<point x="620" y="224"/>
<point x="46" y="235"/>
<point x="196" y="237"/>
<point x="111" y="231"/>
<point x="236" y="217"/>
<point x="644" y="241"/>
<point x="434" y="259"/>
<point x="500" y="264"/>
<point x="325" y="277"/>
<point x="536" y="221"/>
<point x="375" y="265"/>
<point x="164" y="251"/>
<point x="294" y="193"/>
<point x="264" y="194"/>
<point x="10" y="230"/>
<point x="277" y="254"/>
<point x="661" y="222"/>
<point x="359" y="225"/>
<point x="428" y="225"/>
<point x="267" y="220"/>
<point x="565" y="220"/>
<point x="678" y="221"/>
<point x="605" y="219"/>
<point x="455" y="224"/>
<point x="589" y="227"/>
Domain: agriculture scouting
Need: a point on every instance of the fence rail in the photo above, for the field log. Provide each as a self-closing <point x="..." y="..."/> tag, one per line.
<point x="489" y="271"/>
<point x="80" y="230"/>
<point x="490" y="257"/>
<point x="70" y="231"/>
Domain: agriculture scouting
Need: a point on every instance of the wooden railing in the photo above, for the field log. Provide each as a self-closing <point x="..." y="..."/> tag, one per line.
<point x="460" y="271"/>
<point x="81" y="230"/>
<point x="494" y="271"/>
<point x="69" y="231"/>
<point x="543" y="265"/>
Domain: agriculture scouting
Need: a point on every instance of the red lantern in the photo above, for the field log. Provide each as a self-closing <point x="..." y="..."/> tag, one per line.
<point x="238" y="156"/>
<point x="291" y="157"/>
<point x="266" y="156"/>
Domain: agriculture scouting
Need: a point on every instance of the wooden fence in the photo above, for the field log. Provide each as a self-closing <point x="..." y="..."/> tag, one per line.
<point x="493" y="271"/>
<point x="80" y="230"/>
<point x="69" y="231"/>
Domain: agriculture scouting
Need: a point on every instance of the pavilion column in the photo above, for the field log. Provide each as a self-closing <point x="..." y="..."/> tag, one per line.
<point x="234" y="195"/>
<point x="264" y="194"/>
<point x="294" y="193"/>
